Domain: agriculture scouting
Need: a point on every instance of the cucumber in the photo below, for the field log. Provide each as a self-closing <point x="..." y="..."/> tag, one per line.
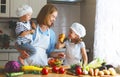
<point x="14" y="74"/>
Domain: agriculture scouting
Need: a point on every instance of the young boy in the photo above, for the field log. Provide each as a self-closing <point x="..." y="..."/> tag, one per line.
<point x="24" y="30"/>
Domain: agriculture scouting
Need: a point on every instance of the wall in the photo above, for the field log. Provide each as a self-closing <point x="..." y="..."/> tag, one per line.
<point x="87" y="16"/>
<point x="67" y="14"/>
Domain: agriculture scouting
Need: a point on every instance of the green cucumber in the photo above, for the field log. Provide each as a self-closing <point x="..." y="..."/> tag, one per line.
<point x="14" y="74"/>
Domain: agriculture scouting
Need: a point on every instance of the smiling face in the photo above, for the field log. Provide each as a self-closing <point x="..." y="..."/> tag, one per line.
<point x="26" y="17"/>
<point x="72" y="35"/>
<point x="47" y="15"/>
<point x="52" y="18"/>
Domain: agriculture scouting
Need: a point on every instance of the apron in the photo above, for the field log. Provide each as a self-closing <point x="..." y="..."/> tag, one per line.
<point x="73" y="53"/>
<point x="41" y="43"/>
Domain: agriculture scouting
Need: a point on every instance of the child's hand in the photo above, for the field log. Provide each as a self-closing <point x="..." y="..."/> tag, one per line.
<point x="32" y="31"/>
<point x="61" y="38"/>
<point x="60" y="45"/>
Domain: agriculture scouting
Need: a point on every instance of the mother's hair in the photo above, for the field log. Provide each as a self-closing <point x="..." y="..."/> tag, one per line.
<point x="44" y="14"/>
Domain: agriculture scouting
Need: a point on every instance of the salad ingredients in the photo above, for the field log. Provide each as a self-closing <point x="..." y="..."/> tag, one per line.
<point x="55" y="69"/>
<point x="14" y="74"/>
<point x="44" y="71"/>
<point x="96" y="72"/>
<point x="54" y="62"/>
<point x="112" y="71"/>
<point x="95" y="63"/>
<point x="61" y="37"/>
<point x="31" y="68"/>
<point x="12" y="66"/>
<point x="78" y="71"/>
<point x="91" y="71"/>
<point x="61" y="70"/>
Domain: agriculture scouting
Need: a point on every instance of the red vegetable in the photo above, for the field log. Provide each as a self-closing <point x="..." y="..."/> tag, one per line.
<point x="44" y="71"/>
<point x="61" y="70"/>
<point x="55" y="69"/>
<point x="12" y="66"/>
<point x="78" y="71"/>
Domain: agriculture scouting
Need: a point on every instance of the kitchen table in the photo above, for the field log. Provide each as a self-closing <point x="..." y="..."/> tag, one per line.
<point x="58" y="75"/>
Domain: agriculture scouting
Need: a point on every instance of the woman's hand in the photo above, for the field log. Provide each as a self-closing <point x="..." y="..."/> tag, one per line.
<point x="57" y="54"/>
<point x="24" y="54"/>
<point x="61" y="55"/>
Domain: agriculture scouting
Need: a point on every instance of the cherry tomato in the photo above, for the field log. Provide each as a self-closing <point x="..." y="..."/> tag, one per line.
<point x="61" y="70"/>
<point x="55" y="69"/>
<point x="78" y="71"/>
<point x="44" y="71"/>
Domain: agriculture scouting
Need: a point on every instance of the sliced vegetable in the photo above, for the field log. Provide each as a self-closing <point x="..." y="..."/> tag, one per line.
<point x="14" y="74"/>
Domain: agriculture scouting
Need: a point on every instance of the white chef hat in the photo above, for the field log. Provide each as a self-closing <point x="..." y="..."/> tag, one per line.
<point x="79" y="29"/>
<point x="23" y="10"/>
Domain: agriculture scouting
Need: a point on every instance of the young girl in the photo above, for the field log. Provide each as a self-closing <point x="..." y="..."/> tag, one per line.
<point x="75" y="47"/>
<point x="26" y="27"/>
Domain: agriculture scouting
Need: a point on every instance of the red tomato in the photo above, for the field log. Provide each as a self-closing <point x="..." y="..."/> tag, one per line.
<point x="78" y="71"/>
<point x="51" y="62"/>
<point x="55" y="69"/>
<point x="61" y="70"/>
<point x="44" y="71"/>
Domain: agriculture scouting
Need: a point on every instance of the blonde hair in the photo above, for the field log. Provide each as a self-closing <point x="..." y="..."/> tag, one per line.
<point x="45" y="13"/>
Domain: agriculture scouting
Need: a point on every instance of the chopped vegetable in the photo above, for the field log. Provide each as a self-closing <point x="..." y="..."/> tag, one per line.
<point x="14" y="74"/>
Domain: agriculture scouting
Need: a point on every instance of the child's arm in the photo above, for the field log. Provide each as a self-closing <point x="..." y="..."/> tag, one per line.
<point x="26" y="32"/>
<point x="60" y="45"/>
<point x="33" y="25"/>
<point x="84" y="56"/>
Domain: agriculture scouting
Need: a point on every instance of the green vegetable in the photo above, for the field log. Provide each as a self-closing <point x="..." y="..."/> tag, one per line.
<point x="14" y="74"/>
<point x="32" y="72"/>
<point x="94" y="64"/>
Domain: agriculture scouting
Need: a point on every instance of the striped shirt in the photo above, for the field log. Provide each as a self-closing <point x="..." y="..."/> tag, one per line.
<point x="23" y="26"/>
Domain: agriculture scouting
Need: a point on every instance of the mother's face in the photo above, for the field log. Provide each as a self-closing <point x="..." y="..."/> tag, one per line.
<point x="52" y="18"/>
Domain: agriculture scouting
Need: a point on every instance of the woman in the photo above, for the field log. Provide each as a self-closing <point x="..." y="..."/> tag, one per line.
<point x="44" y="38"/>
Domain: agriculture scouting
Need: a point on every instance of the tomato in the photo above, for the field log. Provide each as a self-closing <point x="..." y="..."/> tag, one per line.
<point x="44" y="71"/>
<point x="78" y="71"/>
<point x="55" y="69"/>
<point x="61" y="70"/>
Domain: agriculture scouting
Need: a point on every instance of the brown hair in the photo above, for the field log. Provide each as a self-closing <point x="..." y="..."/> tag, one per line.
<point x="44" y="14"/>
<point x="77" y="40"/>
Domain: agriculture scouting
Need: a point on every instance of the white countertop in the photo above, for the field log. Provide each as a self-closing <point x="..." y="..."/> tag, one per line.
<point x="8" y="50"/>
<point x="14" y="50"/>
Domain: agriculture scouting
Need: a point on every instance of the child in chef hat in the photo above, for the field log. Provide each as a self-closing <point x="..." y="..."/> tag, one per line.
<point x="24" y="30"/>
<point x="75" y="46"/>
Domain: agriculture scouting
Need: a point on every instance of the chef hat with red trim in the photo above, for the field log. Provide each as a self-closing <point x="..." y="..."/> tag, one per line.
<point x="21" y="11"/>
<point x="79" y="29"/>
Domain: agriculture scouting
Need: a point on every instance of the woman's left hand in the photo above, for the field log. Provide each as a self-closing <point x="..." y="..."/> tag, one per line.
<point x="61" y="55"/>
